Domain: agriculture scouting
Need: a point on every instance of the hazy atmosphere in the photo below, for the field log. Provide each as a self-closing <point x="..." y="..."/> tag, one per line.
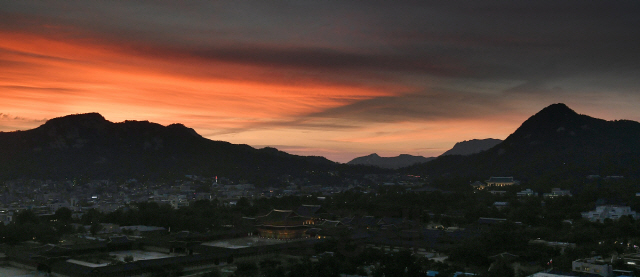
<point x="338" y="79"/>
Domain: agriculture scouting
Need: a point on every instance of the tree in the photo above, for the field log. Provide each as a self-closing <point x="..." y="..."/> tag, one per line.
<point x="63" y="214"/>
<point x="243" y="203"/>
<point x="328" y="266"/>
<point x="302" y="269"/>
<point x="27" y="216"/>
<point x="402" y="262"/>
<point x="45" y="233"/>
<point x="247" y="269"/>
<point x="81" y="229"/>
<point x="271" y="268"/>
<point x="91" y="216"/>
<point x="95" y="228"/>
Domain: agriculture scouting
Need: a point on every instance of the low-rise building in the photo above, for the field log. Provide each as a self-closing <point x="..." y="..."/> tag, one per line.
<point x="478" y="185"/>
<point x="6" y="217"/>
<point x="554" y="244"/>
<point x="177" y="203"/>
<point x="282" y="224"/>
<point x="612" y="212"/>
<point x="142" y="230"/>
<point x="526" y="192"/>
<point x="501" y="181"/>
<point x="556" y="192"/>
<point x="500" y="205"/>
<point x="594" y="265"/>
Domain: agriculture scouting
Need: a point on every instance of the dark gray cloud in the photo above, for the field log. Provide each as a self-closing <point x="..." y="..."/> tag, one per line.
<point x="52" y="89"/>
<point x="301" y="123"/>
<point x="435" y="105"/>
<point x="544" y="47"/>
<point x="9" y="117"/>
<point x="481" y="39"/>
<point x="32" y="55"/>
<point x="314" y="59"/>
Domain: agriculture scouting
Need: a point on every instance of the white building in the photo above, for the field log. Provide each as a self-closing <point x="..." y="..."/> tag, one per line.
<point x="6" y="217"/>
<point x="556" y="192"/>
<point x="526" y="192"/>
<point x="609" y="211"/>
<point x="57" y="205"/>
<point x="500" y="205"/>
<point x="178" y="201"/>
<point x="593" y="265"/>
<point x="588" y="267"/>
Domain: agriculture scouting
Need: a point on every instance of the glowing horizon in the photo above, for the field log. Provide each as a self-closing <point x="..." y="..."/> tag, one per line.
<point x="339" y="80"/>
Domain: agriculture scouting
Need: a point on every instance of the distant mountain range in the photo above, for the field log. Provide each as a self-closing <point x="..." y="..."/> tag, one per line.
<point x="553" y="145"/>
<point x="89" y="146"/>
<point x="473" y="146"/>
<point x="389" y="162"/>
<point x="466" y="147"/>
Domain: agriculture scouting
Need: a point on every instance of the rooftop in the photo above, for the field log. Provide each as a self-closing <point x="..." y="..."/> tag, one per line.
<point x="243" y="242"/>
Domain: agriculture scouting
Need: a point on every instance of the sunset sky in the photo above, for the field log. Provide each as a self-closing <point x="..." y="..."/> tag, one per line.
<point x="338" y="79"/>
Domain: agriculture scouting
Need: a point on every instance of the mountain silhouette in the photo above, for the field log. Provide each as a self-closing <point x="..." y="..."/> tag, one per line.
<point x="554" y="144"/>
<point x="89" y="146"/>
<point x="473" y="146"/>
<point x="402" y="160"/>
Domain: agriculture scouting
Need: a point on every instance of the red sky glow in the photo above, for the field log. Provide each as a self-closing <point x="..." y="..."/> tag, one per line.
<point x="336" y="79"/>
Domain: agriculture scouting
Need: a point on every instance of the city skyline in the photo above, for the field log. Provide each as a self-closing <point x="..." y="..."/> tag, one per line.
<point x="334" y="79"/>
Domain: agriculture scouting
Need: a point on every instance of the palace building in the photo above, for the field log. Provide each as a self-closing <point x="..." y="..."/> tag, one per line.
<point x="282" y="224"/>
<point x="501" y="182"/>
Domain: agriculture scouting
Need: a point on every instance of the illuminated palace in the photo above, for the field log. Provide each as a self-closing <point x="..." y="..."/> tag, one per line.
<point x="501" y="182"/>
<point x="282" y="224"/>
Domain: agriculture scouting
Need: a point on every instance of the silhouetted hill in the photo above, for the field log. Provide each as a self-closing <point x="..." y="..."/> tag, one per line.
<point x="87" y="145"/>
<point x="554" y="145"/>
<point x="402" y="160"/>
<point x="473" y="146"/>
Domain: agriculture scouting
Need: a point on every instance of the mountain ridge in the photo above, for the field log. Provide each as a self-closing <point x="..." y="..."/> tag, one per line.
<point x="554" y="144"/>
<point x="473" y="146"/>
<point x="402" y="160"/>
<point x="89" y="145"/>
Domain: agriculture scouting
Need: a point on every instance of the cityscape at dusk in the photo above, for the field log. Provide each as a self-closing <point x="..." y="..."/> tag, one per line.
<point x="320" y="138"/>
<point x="338" y="79"/>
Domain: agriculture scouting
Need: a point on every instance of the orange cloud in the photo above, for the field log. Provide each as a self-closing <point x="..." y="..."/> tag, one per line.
<point x="342" y="80"/>
<point x="252" y="103"/>
<point x="60" y="77"/>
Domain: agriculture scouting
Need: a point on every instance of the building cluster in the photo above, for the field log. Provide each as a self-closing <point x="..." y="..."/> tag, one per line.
<point x="279" y="231"/>
<point x="495" y="182"/>
<point x="292" y="232"/>
<point x="613" y="212"/>
<point x="46" y="196"/>
<point x="590" y="267"/>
